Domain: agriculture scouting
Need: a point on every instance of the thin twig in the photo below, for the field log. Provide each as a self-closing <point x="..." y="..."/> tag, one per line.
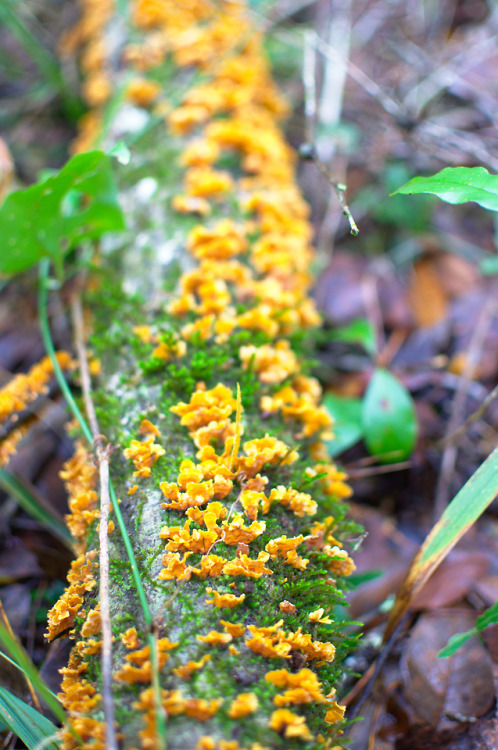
<point x="309" y="85"/>
<point x="387" y="103"/>
<point x="450" y="451"/>
<point x="363" y="688"/>
<point x="458" y="139"/>
<point x="102" y="455"/>
<point x="454" y="437"/>
<point x="442" y="76"/>
<point x="372" y="471"/>
<point x="334" y="76"/>
<point x="308" y="152"/>
<point x="73" y="406"/>
<point x="335" y="71"/>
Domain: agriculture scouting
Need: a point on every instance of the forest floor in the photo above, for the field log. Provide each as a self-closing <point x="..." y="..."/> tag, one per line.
<point x="411" y="88"/>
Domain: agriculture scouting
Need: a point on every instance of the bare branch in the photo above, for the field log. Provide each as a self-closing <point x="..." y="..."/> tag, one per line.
<point x="103" y="464"/>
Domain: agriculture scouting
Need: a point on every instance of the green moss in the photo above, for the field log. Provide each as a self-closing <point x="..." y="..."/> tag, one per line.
<point x="123" y="619"/>
<point x="120" y="573"/>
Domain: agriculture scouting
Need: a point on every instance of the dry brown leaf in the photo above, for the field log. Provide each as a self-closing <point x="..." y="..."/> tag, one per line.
<point x="445" y="691"/>
<point x="452" y="581"/>
<point x="427" y="296"/>
<point x="17" y="563"/>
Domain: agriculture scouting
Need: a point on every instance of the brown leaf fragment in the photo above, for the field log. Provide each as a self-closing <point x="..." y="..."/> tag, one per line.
<point x="428" y="299"/>
<point x="6" y="169"/>
<point x="452" y="580"/>
<point x="446" y="691"/>
<point x="18" y="562"/>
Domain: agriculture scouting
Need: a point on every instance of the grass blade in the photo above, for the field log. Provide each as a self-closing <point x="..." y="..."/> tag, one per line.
<point x="26" y="722"/>
<point x="36" y="507"/>
<point x="45" y="62"/>
<point x="22" y="660"/>
<point x="465" y="508"/>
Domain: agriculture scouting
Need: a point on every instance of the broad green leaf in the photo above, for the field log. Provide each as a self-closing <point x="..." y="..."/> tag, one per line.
<point x="347" y="427"/>
<point x="388" y="416"/>
<point x="359" y="331"/>
<point x="455" y="642"/>
<point x="26" y="722"/>
<point x="457" y="185"/>
<point x="409" y="216"/>
<point x="47" y="219"/>
<point x="465" y="508"/>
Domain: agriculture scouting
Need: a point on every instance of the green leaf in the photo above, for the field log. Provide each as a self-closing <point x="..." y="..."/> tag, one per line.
<point x="26" y="722"/>
<point x="489" y="617"/>
<point x="347" y="427"/>
<point x="489" y="266"/>
<point x="359" y="331"/>
<point x="455" y="642"/>
<point x="48" y="219"/>
<point x="121" y="152"/>
<point x="358" y="579"/>
<point x="457" y="185"/>
<point x="389" y="420"/>
<point x="465" y="508"/>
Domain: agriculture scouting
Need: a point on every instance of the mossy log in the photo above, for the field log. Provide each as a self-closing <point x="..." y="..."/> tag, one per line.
<point x="202" y="331"/>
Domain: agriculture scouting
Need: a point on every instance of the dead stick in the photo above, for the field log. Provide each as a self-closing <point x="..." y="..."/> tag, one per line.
<point x="455" y="436"/>
<point x="307" y="152"/>
<point x="450" y="451"/>
<point x="374" y="470"/>
<point x="103" y="462"/>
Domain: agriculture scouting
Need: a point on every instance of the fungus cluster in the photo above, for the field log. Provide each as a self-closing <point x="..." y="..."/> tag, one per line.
<point x="18" y="394"/>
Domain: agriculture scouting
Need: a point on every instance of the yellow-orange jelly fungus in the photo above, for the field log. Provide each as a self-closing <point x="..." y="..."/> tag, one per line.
<point x="220" y="504"/>
<point x="18" y="394"/>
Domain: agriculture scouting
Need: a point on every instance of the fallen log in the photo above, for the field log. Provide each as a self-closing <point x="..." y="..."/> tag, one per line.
<point x="203" y="619"/>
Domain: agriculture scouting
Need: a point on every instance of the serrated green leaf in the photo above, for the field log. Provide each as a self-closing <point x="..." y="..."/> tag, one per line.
<point x="26" y="722"/>
<point x="347" y="427"/>
<point x="388" y="417"/>
<point x="359" y="331"/>
<point x="46" y="220"/>
<point x="455" y="642"/>
<point x="457" y="185"/>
